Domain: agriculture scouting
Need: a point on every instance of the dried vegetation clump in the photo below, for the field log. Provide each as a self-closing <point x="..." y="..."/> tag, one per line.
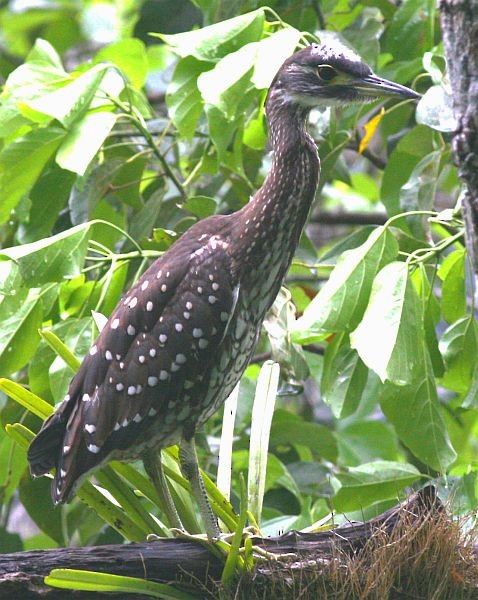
<point x="429" y="558"/>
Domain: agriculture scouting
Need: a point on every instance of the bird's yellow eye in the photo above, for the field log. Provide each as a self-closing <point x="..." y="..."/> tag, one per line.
<point x="326" y="72"/>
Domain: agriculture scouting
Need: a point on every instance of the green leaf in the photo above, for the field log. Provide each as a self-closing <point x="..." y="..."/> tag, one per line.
<point x="218" y="40"/>
<point x="414" y="411"/>
<point x="40" y="74"/>
<point x="21" y="163"/>
<point x="390" y="349"/>
<point x="418" y="193"/>
<point x="200" y="206"/>
<point x="343" y="378"/>
<point x="272" y="51"/>
<point x="290" y="430"/>
<point x="84" y="139"/>
<point x="452" y="273"/>
<point x="224" y="86"/>
<point x="409" y="151"/>
<point x="129" y="55"/>
<point x="26" y="398"/>
<point x="371" y="482"/>
<point x="104" y="582"/>
<point x="48" y="197"/>
<point x="406" y="36"/>
<point x="60" y="349"/>
<point x="21" y="316"/>
<point x="51" y="259"/>
<point x="70" y="102"/>
<point x="340" y="304"/>
<point x="183" y="97"/>
<point x="364" y="441"/>
<point x="435" y="109"/>
<point x="431" y="314"/>
<point x="459" y="347"/>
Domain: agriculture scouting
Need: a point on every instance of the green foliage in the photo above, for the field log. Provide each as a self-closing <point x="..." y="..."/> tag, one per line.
<point x="96" y="183"/>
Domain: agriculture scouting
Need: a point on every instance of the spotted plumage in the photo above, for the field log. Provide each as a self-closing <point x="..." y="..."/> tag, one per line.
<point x="176" y="345"/>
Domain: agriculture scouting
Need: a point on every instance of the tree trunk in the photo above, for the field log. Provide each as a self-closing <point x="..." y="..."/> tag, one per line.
<point x="22" y="573"/>
<point x="459" y="20"/>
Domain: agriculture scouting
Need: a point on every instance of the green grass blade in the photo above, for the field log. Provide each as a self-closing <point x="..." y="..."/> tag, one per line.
<point x="221" y="506"/>
<point x="60" y="349"/>
<point x="130" y="503"/>
<point x="28" y="399"/>
<point x="90" y="581"/>
<point x="234" y="561"/>
<point x="262" y="411"/>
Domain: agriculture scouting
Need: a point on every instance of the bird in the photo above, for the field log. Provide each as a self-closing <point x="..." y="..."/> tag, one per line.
<point x="178" y="342"/>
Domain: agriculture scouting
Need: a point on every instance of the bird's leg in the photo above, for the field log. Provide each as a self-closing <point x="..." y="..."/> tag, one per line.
<point x="190" y="468"/>
<point x="154" y="468"/>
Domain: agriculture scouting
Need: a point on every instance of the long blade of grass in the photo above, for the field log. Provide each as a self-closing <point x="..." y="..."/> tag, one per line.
<point x="224" y="466"/>
<point x="130" y="503"/>
<point x="221" y="506"/>
<point x="72" y="579"/>
<point x="28" y="399"/>
<point x="262" y="411"/>
<point x="60" y="349"/>
<point x="234" y="561"/>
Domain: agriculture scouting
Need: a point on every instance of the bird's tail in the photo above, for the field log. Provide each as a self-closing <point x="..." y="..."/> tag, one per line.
<point x="44" y="450"/>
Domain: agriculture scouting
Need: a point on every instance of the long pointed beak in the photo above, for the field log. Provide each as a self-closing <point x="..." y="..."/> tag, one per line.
<point x="376" y="86"/>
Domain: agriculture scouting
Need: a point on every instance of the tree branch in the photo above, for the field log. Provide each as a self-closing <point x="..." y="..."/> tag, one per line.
<point x="459" y="20"/>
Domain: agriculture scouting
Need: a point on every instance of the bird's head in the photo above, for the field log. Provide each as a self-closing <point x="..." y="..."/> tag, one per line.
<point x="329" y="75"/>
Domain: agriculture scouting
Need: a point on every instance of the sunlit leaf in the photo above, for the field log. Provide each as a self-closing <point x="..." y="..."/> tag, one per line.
<point x="435" y="109"/>
<point x="341" y="303"/>
<point x="390" y="348"/>
<point x="215" y="41"/>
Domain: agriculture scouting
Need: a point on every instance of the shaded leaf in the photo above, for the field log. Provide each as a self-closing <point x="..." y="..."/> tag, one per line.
<point x="371" y="482"/>
<point x="415" y="412"/>
<point x="21" y="163"/>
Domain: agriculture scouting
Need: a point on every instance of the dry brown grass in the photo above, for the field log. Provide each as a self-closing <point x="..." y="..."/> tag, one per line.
<point x="432" y="559"/>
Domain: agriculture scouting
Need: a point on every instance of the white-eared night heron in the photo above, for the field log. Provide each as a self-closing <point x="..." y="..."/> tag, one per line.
<point x="178" y="342"/>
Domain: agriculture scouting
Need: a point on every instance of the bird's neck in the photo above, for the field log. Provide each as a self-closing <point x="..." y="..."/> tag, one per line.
<point x="270" y="225"/>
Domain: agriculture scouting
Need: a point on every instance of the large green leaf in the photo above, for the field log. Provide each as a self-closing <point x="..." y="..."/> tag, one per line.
<point x="84" y="139"/>
<point x="289" y="430"/>
<point x="343" y="378"/>
<point x="183" y="98"/>
<point x="51" y="259"/>
<point x="70" y="102"/>
<point x="453" y="296"/>
<point x="218" y="40"/>
<point x="371" y="482"/>
<point x="363" y="441"/>
<point x="390" y="335"/>
<point x="459" y="347"/>
<point x="41" y="73"/>
<point x="414" y="411"/>
<point x="224" y="85"/>
<point x="404" y="158"/>
<point x="129" y="55"/>
<point x="21" y="316"/>
<point x="340" y="304"/>
<point x="272" y="51"/>
<point x="21" y="163"/>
